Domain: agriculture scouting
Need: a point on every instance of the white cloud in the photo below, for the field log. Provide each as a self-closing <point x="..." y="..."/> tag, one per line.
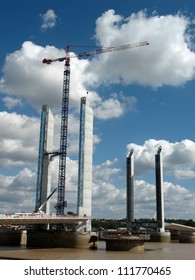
<point x="179" y="201"/>
<point x="109" y="200"/>
<point x="73" y="133"/>
<point x="48" y="19"/>
<point x="115" y="106"/>
<point x="11" y="102"/>
<point x="109" y="109"/>
<point x="26" y="76"/>
<point x="105" y="171"/>
<point x="23" y="69"/>
<point x="17" y="193"/>
<point x="19" y="140"/>
<point x="178" y="157"/>
<point x="168" y="59"/>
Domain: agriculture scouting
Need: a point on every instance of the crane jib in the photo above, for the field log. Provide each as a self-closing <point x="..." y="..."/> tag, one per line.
<point x="99" y="51"/>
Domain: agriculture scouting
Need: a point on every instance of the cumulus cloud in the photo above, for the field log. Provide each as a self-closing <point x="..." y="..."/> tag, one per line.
<point x="19" y="138"/>
<point x="179" y="201"/>
<point x="103" y="172"/>
<point x="48" y="19"/>
<point x="115" y="106"/>
<point x="17" y="193"/>
<point x="168" y="60"/>
<point x="11" y="102"/>
<point x="109" y="198"/>
<point x="25" y="76"/>
<point x="18" y="147"/>
<point x="178" y="157"/>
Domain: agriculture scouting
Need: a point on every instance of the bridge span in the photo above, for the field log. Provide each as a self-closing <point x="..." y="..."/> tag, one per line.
<point x="30" y="219"/>
<point x="37" y="218"/>
<point x="179" y="227"/>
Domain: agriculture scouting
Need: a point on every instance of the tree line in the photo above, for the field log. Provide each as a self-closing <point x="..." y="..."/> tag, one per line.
<point x="121" y="223"/>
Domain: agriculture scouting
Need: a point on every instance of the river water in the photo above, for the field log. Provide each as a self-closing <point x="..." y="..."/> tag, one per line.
<point x="152" y="251"/>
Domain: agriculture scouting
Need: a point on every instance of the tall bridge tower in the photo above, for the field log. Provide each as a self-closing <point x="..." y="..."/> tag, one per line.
<point x="159" y="191"/>
<point x="130" y="188"/>
<point x="43" y="188"/>
<point x="85" y="161"/>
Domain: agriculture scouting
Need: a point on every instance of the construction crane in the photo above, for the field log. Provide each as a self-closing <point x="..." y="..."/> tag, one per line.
<point x="61" y="203"/>
<point x="40" y="208"/>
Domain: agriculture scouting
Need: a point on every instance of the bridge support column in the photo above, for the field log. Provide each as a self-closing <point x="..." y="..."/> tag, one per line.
<point x="159" y="192"/>
<point x="186" y="237"/>
<point x="160" y="237"/>
<point x="57" y="239"/>
<point x="130" y="188"/>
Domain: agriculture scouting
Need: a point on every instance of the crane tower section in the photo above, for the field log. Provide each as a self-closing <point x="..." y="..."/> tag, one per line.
<point x="61" y="203"/>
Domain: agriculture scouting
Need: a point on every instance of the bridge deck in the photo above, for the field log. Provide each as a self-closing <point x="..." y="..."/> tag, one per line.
<point x="23" y="219"/>
<point x="179" y="227"/>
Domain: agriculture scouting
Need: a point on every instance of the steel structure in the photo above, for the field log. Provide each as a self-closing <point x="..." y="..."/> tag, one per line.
<point x="61" y="203"/>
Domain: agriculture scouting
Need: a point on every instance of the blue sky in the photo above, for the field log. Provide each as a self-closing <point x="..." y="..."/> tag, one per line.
<point x="142" y="98"/>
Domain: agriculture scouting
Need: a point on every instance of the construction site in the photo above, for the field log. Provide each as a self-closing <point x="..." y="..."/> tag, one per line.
<point x="65" y="228"/>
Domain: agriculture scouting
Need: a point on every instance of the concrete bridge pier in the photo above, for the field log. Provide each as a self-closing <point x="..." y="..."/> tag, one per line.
<point x="186" y="237"/>
<point x="55" y="239"/>
<point x="160" y="237"/>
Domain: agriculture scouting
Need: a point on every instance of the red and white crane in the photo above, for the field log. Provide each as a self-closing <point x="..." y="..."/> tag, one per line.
<point x="61" y="203"/>
<point x="99" y="51"/>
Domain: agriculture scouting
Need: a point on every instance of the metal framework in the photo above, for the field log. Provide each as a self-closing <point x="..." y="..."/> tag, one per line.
<point x="61" y="203"/>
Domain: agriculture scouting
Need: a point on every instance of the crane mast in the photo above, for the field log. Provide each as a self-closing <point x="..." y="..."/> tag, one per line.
<point x="61" y="203"/>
